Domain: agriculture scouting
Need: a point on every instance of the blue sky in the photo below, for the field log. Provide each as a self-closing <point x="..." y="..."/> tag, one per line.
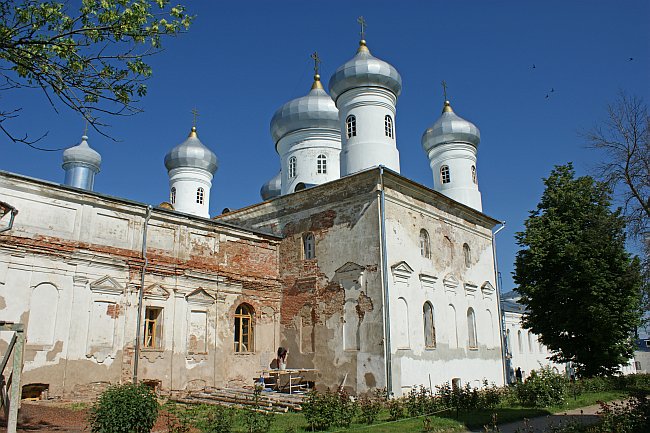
<point x="241" y="60"/>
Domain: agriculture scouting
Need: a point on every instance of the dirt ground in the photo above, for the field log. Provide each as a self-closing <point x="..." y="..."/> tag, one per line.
<point x="48" y="416"/>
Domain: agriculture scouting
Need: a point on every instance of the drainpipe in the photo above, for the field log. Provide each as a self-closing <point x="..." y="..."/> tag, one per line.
<point x="384" y="294"/>
<point x="502" y="327"/>
<point x="13" y="211"/>
<point x="141" y="295"/>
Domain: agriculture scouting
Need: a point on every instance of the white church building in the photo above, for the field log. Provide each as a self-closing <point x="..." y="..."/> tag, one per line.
<point x="368" y="278"/>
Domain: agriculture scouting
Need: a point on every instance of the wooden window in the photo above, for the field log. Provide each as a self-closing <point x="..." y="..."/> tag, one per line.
<point x="292" y="167"/>
<point x="309" y="247"/>
<point x="471" y="328"/>
<point x="199" y="195"/>
<point x="152" y="328"/>
<point x="429" y="326"/>
<point x="321" y="164"/>
<point x="425" y="246"/>
<point x="445" y="176"/>
<point x="351" y="126"/>
<point x="388" y="126"/>
<point x="244" y="341"/>
<point x="173" y="195"/>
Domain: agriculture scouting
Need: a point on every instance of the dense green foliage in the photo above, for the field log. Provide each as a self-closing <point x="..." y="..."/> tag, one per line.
<point x="542" y="388"/>
<point x="88" y="55"/>
<point x="580" y="286"/>
<point x="129" y="408"/>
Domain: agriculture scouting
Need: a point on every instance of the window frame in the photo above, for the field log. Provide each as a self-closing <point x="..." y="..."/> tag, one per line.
<point x="172" y="195"/>
<point x="388" y="126"/>
<point x="474" y="178"/>
<point x="425" y="244"/>
<point x="432" y="328"/>
<point x="293" y="167"/>
<point x="445" y="174"/>
<point x="351" y="126"/>
<point x="472" y="335"/>
<point x="152" y="328"/>
<point x="244" y="321"/>
<point x="200" y="195"/>
<point x="321" y="164"/>
<point x="308" y="246"/>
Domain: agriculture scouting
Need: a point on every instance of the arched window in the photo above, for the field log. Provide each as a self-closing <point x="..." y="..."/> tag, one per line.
<point x="467" y="254"/>
<point x="445" y="176"/>
<point x="308" y="246"/>
<point x="173" y="195"/>
<point x="471" y="328"/>
<point x="474" y="174"/>
<point x="351" y="126"/>
<point x="508" y="343"/>
<point x="321" y="164"/>
<point x="388" y="126"/>
<point x="530" y="342"/>
<point x="429" y="326"/>
<point x="425" y="247"/>
<point x="244" y="341"/>
<point x="453" y="335"/>
<point x="520" y="344"/>
<point x="199" y="195"/>
<point x="292" y="167"/>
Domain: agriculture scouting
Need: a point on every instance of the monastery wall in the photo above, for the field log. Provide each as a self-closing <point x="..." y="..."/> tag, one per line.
<point x="70" y="270"/>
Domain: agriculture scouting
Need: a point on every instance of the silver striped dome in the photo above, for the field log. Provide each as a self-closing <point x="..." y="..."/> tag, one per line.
<point x="450" y="128"/>
<point x="272" y="188"/>
<point x="82" y="153"/>
<point x="365" y="70"/>
<point x="192" y="153"/>
<point x="314" y="110"/>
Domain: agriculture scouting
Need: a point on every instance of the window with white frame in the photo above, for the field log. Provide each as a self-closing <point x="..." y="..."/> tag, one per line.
<point x="321" y="164"/>
<point x="199" y="195"/>
<point x="445" y="176"/>
<point x="351" y="126"/>
<point x="425" y="246"/>
<point x="471" y="328"/>
<point x="309" y="247"/>
<point x="388" y="126"/>
<point x="292" y="167"/>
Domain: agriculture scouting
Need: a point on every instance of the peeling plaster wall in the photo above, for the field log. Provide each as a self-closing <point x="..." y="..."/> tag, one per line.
<point x="70" y="271"/>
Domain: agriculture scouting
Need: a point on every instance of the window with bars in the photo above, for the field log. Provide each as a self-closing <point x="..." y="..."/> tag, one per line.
<point x="388" y="126"/>
<point x="425" y="246"/>
<point x="172" y="195"/>
<point x="445" y="176"/>
<point x="351" y="126"/>
<point x="321" y="164"/>
<point x="199" y="195"/>
<point x="152" y="338"/>
<point x="309" y="247"/>
<point x="244" y="341"/>
<point x="429" y="326"/>
<point x="292" y="167"/>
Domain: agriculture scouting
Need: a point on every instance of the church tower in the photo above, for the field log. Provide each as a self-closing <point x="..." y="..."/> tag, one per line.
<point x="190" y="167"/>
<point x="365" y="90"/>
<point x="81" y="164"/>
<point x="308" y="138"/>
<point x="451" y="144"/>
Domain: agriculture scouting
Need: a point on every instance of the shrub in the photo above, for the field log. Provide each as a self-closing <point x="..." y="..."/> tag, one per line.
<point x="370" y="408"/>
<point x="490" y="396"/>
<point x="319" y="409"/>
<point x="542" y="388"/>
<point x="256" y="420"/>
<point x="627" y="417"/>
<point x="345" y="409"/>
<point x="129" y="408"/>
<point x="395" y="408"/>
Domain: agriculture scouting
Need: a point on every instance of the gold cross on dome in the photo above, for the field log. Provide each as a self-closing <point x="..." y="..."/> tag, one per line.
<point x="362" y="21"/>
<point x="444" y="88"/>
<point x="314" y="56"/>
<point x="195" y="114"/>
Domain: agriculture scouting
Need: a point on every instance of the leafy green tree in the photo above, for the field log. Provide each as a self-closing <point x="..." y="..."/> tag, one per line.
<point x="580" y="286"/>
<point x="87" y="55"/>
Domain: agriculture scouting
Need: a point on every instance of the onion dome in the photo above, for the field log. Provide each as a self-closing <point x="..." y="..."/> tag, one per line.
<point x="272" y="188"/>
<point x="82" y="154"/>
<point x="192" y="153"/>
<point x="314" y="110"/>
<point x="365" y="70"/>
<point x="450" y="128"/>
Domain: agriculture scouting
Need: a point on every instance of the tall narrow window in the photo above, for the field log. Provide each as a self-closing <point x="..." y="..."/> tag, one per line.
<point x="351" y="126"/>
<point x="425" y="247"/>
<point x="244" y="329"/>
<point x="152" y="328"/>
<point x="471" y="328"/>
<point x="173" y="195"/>
<point x="388" y="126"/>
<point x="199" y="195"/>
<point x="474" y="174"/>
<point x="520" y="344"/>
<point x="309" y="247"/>
<point x="429" y="326"/>
<point x="321" y="164"/>
<point x="292" y="167"/>
<point x="445" y="176"/>
<point x="467" y="253"/>
<point x="530" y="342"/>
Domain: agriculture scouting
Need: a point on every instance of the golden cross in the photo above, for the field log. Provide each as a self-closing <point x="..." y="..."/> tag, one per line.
<point x="444" y="88"/>
<point x="195" y="114"/>
<point x="362" y="21"/>
<point x="316" y="61"/>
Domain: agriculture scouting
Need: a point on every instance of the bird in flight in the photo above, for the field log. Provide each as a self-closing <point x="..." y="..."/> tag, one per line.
<point x="533" y="66"/>
<point x="630" y="59"/>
